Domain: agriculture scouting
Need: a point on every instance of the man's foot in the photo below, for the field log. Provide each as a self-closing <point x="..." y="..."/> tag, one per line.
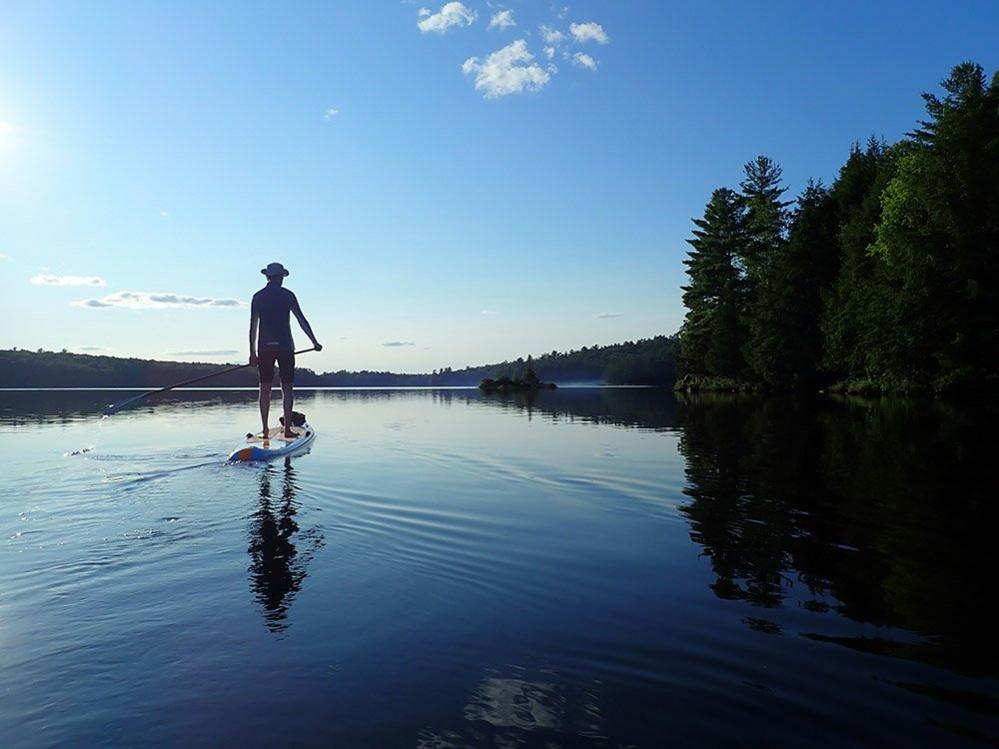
<point x="290" y="434"/>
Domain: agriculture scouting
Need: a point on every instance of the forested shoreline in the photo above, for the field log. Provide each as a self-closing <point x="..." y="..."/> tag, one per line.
<point x="885" y="281"/>
<point x="649" y="361"/>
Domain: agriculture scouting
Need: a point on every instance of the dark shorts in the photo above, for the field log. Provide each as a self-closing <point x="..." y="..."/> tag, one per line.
<point x="285" y="360"/>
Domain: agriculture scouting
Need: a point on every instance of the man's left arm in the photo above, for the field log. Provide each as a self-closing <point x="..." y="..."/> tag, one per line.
<point x="304" y="323"/>
<point x="254" y="322"/>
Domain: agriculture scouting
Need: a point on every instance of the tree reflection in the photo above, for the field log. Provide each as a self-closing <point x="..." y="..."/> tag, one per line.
<point x="879" y="511"/>
<point x="647" y="408"/>
<point x="277" y="567"/>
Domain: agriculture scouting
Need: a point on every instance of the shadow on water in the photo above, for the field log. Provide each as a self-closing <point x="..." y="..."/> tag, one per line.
<point x="277" y="563"/>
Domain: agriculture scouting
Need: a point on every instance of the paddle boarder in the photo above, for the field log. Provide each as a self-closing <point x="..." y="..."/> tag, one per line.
<point x="271" y="311"/>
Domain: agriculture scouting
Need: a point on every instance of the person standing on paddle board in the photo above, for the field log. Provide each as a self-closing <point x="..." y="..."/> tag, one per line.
<point x="271" y="311"/>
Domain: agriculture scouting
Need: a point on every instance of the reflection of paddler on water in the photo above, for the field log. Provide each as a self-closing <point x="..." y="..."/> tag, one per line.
<point x="277" y="567"/>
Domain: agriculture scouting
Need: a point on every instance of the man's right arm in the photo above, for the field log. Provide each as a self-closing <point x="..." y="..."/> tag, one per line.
<point x="297" y="311"/>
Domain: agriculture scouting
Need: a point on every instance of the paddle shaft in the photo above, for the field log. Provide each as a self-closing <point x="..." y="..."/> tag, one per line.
<point x="116" y="407"/>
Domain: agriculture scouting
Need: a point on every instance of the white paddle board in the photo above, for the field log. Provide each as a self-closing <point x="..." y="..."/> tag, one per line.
<point x="273" y="445"/>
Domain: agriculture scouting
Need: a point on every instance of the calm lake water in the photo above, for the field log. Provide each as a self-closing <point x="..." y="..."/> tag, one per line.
<point x="596" y="568"/>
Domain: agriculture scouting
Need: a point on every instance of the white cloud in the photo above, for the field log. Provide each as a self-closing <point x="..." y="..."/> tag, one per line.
<point x="489" y="312"/>
<point x="607" y="315"/>
<point x="506" y="71"/>
<point x="552" y="36"/>
<point x="502" y="20"/>
<point x="450" y="14"/>
<point x="330" y="113"/>
<point x="156" y="300"/>
<point x="588" y="32"/>
<point x="553" y="39"/>
<point x="584" y="60"/>
<point x="397" y="344"/>
<point x="7" y="128"/>
<point x="563" y="12"/>
<point x="3" y="256"/>
<point x="47" y="279"/>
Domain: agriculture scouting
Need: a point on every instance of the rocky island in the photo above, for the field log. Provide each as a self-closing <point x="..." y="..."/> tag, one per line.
<point x="529" y="382"/>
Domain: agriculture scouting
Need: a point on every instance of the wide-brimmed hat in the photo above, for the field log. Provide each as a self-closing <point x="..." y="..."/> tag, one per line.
<point x="274" y="269"/>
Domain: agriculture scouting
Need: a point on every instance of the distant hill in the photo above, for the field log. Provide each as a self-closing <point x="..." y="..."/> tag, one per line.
<point x="649" y="361"/>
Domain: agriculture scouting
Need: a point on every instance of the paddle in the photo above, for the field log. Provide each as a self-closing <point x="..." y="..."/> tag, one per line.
<point x="114" y="408"/>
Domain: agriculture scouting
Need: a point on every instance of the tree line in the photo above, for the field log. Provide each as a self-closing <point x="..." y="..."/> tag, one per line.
<point x="887" y="280"/>
<point x="650" y="361"/>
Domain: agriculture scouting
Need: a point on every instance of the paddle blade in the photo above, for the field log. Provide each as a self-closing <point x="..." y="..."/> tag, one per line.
<point x="114" y="408"/>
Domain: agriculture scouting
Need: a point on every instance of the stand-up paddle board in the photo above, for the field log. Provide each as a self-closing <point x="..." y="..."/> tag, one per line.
<point x="273" y="445"/>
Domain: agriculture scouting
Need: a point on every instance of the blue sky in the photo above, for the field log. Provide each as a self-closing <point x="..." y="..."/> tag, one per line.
<point x="472" y="197"/>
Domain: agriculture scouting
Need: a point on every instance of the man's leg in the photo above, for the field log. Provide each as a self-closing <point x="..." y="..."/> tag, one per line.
<point x="287" y="363"/>
<point x="265" y="366"/>
<point x="265" y="405"/>
<point x="287" y="400"/>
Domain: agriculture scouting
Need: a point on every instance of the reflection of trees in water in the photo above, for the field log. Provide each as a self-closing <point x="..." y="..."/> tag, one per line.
<point x="277" y="566"/>
<point x="883" y="512"/>
<point x="21" y="407"/>
<point x="648" y="408"/>
<point x="745" y="528"/>
<point x="512" y="710"/>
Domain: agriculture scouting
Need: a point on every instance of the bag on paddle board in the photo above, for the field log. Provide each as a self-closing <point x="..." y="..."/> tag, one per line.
<point x="297" y="419"/>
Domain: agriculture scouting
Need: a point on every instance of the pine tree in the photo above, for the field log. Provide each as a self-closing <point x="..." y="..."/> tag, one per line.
<point x="530" y="377"/>
<point x="713" y="334"/>
<point x="766" y="217"/>
<point x="766" y="223"/>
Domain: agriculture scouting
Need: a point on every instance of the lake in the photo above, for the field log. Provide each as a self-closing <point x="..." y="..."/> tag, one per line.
<point x="598" y="567"/>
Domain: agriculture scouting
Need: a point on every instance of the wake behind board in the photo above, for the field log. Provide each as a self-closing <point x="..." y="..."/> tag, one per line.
<point x="274" y="445"/>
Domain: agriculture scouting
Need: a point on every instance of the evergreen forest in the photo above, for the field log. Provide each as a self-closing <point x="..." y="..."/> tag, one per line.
<point x="887" y="280"/>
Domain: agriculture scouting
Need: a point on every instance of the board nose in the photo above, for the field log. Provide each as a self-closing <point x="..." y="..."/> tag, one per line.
<point x="245" y="454"/>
